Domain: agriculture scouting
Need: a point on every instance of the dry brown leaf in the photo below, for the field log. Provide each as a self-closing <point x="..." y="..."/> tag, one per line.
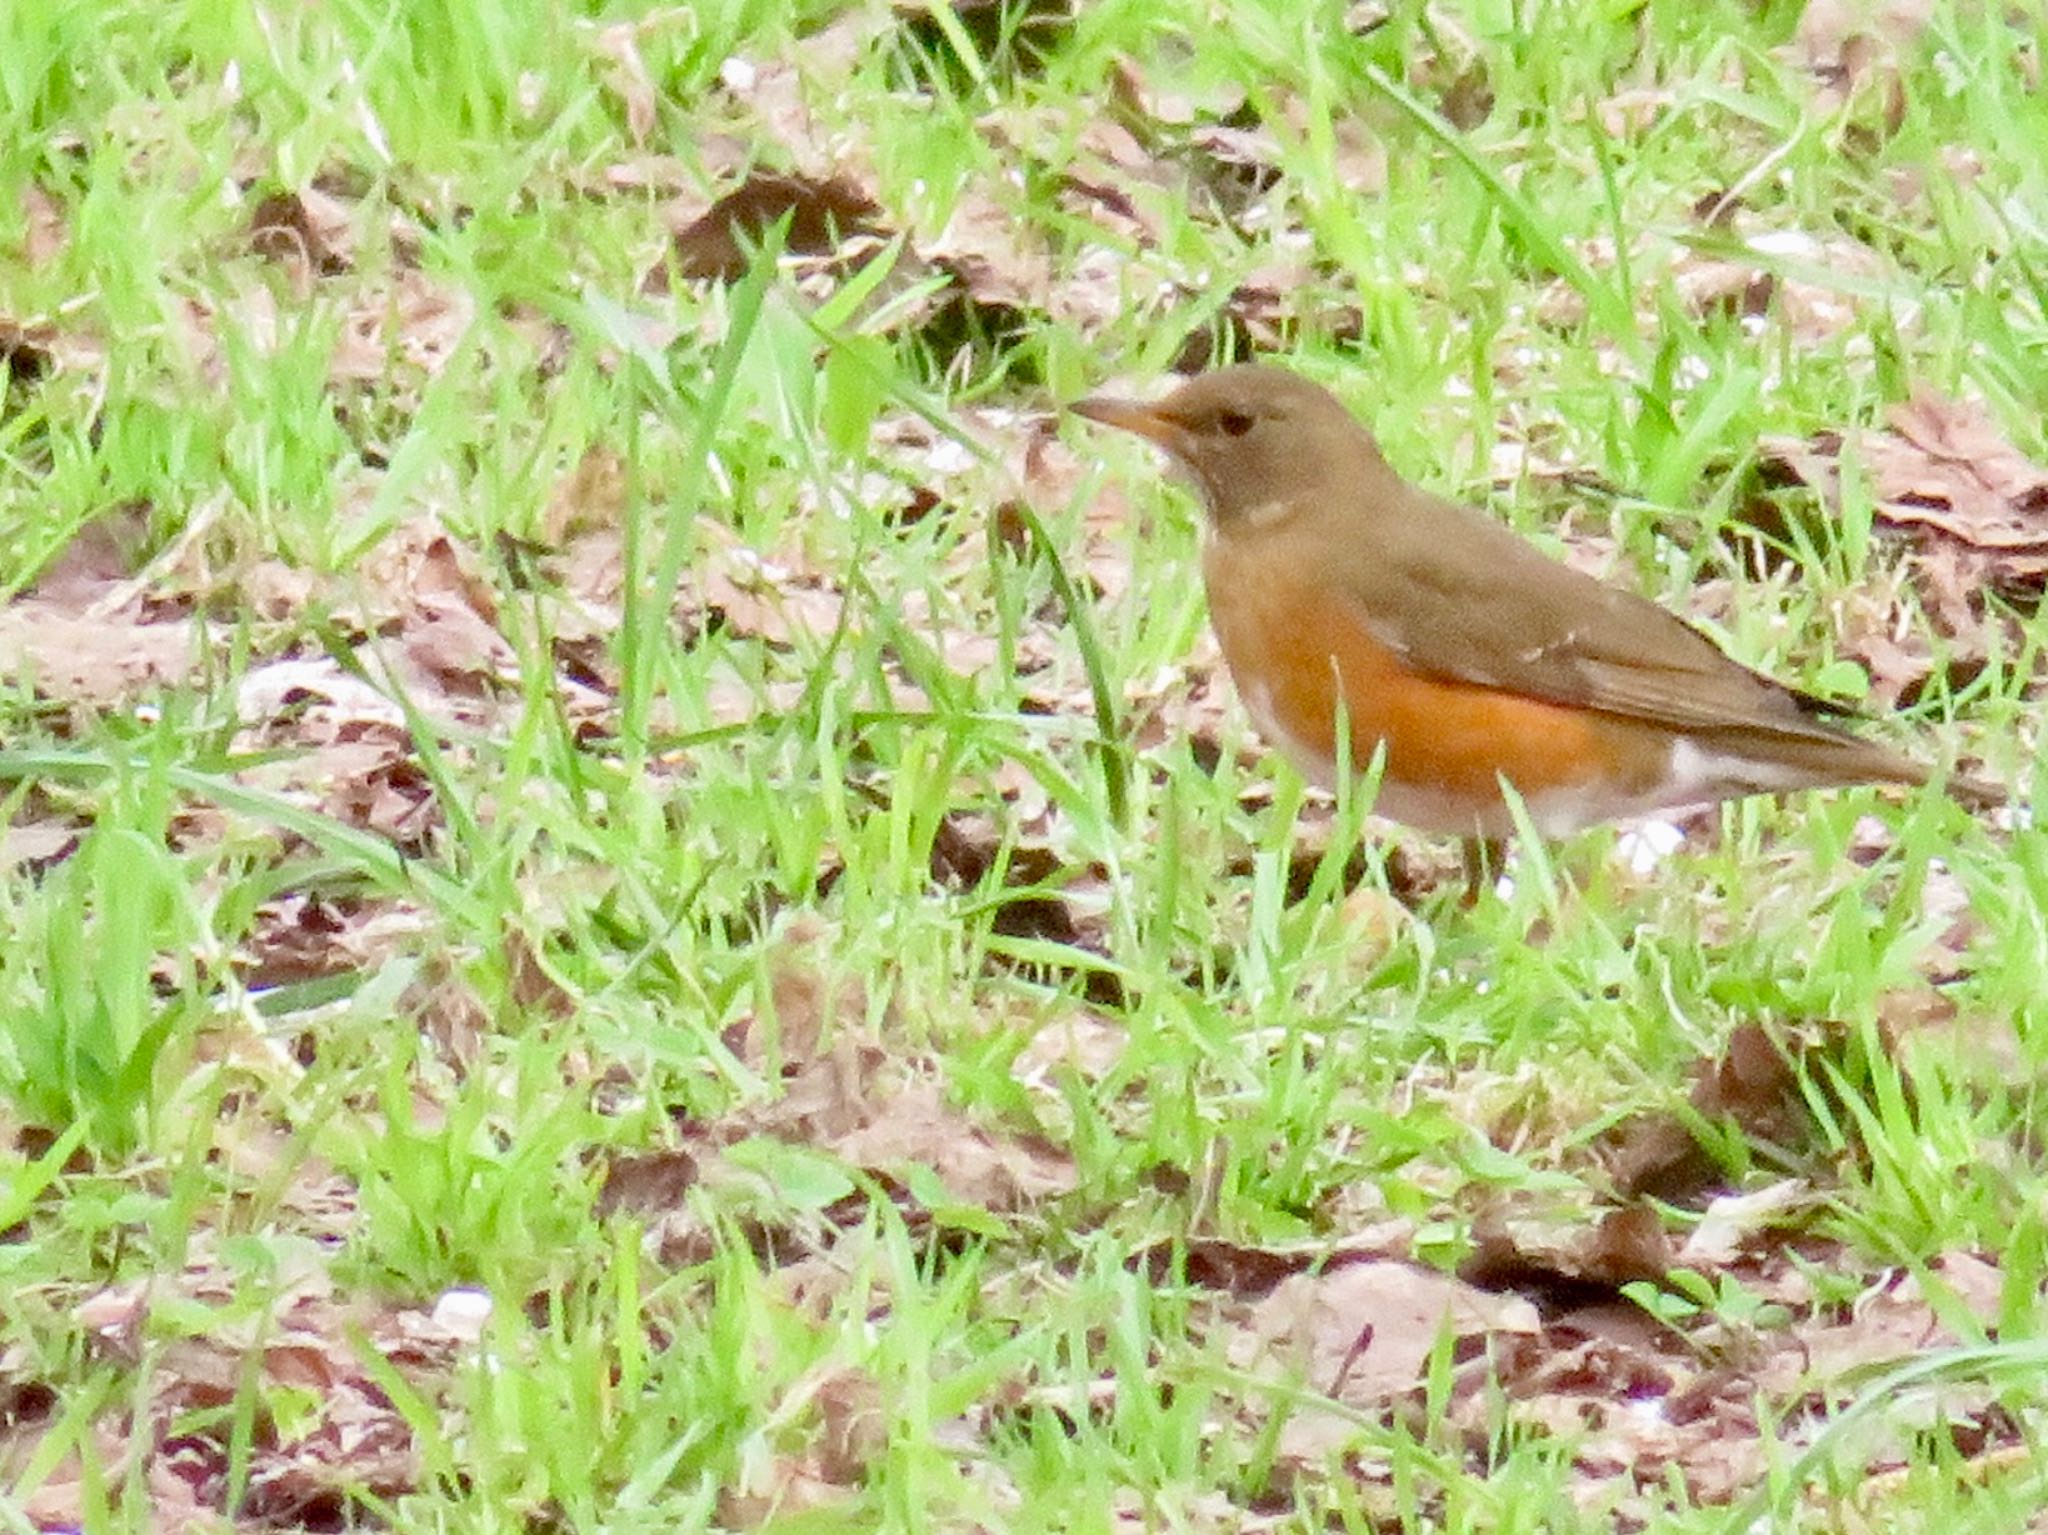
<point x="1560" y="1263"/>
<point x="590" y="568"/>
<point x="1805" y="277"/>
<point x="591" y="497"/>
<point x="532" y="981"/>
<point x="1946" y="465"/>
<point x="103" y="661"/>
<point x="1253" y="1273"/>
<point x="979" y="1167"/>
<point x="777" y="92"/>
<point x="997" y="257"/>
<point x="1626" y="114"/>
<point x="433" y="588"/>
<point x="1083" y="1042"/>
<point x="823" y="215"/>
<point x="628" y="77"/>
<point x="85" y="633"/>
<point x="302" y="937"/>
<point x="853" y="1424"/>
<point x="1129" y="214"/>
<point x="45" y="230"/>
<point x="308" y="231"/>
<point x="1361" y="1334"/>
<point x="843" y="1094"/>
<point x="720" y="156"/>
<point x="734" y="589"/>
<point x="1843" y="41"/>
<point x="416" y="323"/>
<point x="1945" y="472"/>
<point x="1732" y="1222"/>
<point x="37" y="845"/>
<point x="68" y="1499"/>
<point x="393" y="797"/>
<point x="1924" y="1024"/>
<point x="1954" y="167"/>
<point x="1271" y="305"/>
<point x="1137" y="97"/>
<point x="267" y="588"/>
<point x="1755" y="1084"/>
<point x="94" y="563"/>
<point x="457" y="646"/>
<point x="647" y="1184"/>
<point x="1879" y="630"/>
<point x="349" y="746"/>
<point x="784" y="1489"/>
<point x="804" y="1002"/>
<point x="1890" y="1322"/>
<point x="324" y="703"/>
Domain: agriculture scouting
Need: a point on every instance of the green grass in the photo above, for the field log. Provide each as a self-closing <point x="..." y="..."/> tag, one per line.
<point x="330" y="1011"/>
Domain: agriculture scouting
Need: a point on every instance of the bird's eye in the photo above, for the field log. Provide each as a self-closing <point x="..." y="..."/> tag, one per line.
<point x="1235" y="423"/>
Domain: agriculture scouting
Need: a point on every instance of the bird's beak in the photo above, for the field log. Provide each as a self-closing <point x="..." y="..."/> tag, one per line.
<point x="1148" y="421"/>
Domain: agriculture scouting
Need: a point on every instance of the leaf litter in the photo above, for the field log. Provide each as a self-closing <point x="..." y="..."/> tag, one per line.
<point x="1972" y="512"/>
<point x="1537" y="1330"/>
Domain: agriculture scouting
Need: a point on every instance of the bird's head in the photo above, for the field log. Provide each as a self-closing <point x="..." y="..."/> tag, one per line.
<point x="1251" y="438"/>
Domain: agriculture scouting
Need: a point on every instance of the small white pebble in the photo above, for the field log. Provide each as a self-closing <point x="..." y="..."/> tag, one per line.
<point x="1642" y="848"/>
<point x="1785" y="242"/>
<point x="738" y="76"/>
<point x="1647" y="1410"/>
<point x="949" y="456"/>
<point x="462" y="1313"/>
<point x="2012" y="817"/>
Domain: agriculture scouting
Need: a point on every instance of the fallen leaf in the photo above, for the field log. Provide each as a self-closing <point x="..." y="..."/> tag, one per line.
<point x="1361" y="1334"/>
<point x="308" y="231"/>
<point x="1944" y="472"/>
<point x="646" y="1184"/>
<point x="1732" y="1221"/>
<point x="1946" y="465"/>
<point x="1563" y="1264"/>
<point x="980" y="1167"/>
<point x="1754" y="1084"/>
<point x="37" y="845"/>
<point x="1889" y="1322"/>
<point x="732" y="588"/>
<point x="458" y="646"/>
<point x="1843" y="41"/>
<point x="416" y="323"/>
<point x="45" y="231"/>
<point x="804" y="999"/>
<point x="102" y="660"/>
<point x="628" y="77"/>
<point x="997" y="257"/>
<point x="854" y="1428"/>
<point x="823" y="215"/>
<point x="591" y="497"/>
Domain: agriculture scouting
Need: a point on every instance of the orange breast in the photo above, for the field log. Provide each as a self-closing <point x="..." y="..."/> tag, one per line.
<point x="1296" y="648"/>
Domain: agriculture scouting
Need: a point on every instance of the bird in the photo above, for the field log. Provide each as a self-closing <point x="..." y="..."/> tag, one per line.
<point x="1456" y="652"/>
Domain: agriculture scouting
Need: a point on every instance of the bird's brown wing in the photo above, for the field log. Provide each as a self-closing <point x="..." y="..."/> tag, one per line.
<point x="1505" y="615"/>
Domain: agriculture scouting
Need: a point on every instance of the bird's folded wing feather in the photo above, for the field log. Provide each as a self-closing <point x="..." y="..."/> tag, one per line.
<point x="1520" y="621"/>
